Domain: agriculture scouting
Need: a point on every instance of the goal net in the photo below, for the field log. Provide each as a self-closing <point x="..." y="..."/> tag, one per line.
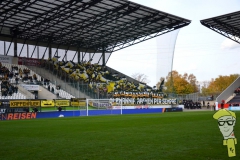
<point x="103" y="107"/>
<point x="80" y="103"/>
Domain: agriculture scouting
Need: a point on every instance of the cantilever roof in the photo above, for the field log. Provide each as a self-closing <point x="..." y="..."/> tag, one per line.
<point x="227" y="25"/>
<point x="95" y="25"/>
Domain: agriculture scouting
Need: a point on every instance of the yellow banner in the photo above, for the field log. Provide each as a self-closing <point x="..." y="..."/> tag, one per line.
<point x="25" y="103"/>
<point x="62" y="102"/>
<point x="78" y="99"/>
<point x="47" y="103"/>
<point x="78" y="103"/>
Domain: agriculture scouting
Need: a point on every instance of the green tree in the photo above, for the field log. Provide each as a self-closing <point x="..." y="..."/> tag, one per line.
<point x="180" y="84"/>
<point x="218" y="85"/>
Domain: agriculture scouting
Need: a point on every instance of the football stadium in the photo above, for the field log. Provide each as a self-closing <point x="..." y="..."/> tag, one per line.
<point x="60" y="100"/>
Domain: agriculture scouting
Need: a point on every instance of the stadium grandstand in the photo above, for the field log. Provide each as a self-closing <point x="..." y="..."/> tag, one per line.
<point x="65" y="45"/>
<point x="227" y="25"/>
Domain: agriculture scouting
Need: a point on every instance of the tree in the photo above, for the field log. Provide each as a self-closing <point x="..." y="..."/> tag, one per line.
<point x="180" y="84"/>
<point x="193" y="82"/>
<point x="219" y="84"/>
<point x="140" y="77"/>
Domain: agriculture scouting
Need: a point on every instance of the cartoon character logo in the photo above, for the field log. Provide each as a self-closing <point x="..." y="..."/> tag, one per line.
<point x="226" y="122"/>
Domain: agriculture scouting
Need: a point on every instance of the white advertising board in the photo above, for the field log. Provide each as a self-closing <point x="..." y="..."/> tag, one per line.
<point x="31" y="87"/>
<point x="6" y="59"/>
<point x="140" y="107"/>
<point x="234" y="108"/>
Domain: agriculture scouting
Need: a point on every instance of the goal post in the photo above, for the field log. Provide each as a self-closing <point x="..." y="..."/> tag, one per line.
<point x="103" y="107"/>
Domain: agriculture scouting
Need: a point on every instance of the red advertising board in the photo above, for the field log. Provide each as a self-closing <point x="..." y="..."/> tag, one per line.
<point x="16" y="116"/>
<point x="225" y="106"/>
<point x="28" y="61"/>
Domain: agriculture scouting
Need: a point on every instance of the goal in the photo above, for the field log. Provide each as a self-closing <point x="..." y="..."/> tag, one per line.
<point x="103" y="107"/>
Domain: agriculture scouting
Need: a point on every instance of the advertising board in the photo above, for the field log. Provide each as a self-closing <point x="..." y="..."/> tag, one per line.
<point x="30" y="87"/>
<point x="62" y="102"/>
<point x="28" y="61"/>
<point x="47" y="103"/>
<point x="25" y="103"/>
<point x="6" y="59"/>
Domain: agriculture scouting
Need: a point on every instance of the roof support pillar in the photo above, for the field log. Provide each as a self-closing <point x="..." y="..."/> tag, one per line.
<point x="66" y="57"/>
<point x="50" y="51"/>
<point x="4" y="48"/>
<point x="103" y="57"/>
<point x="56" y="53"/>
<point x="15" y="47"/>
<point x="27" y="51"/>
<point x="37" y="52"/>
<point x="82" y="57"/>
<point x="78" y="56"/>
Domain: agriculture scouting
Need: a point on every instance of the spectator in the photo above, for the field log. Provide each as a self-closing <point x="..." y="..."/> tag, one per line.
<point x="35" y="109"/>
<point x="222" y="104"/>
<point x="52" y="90"/>
<point x="26" y="109"/>
<point x="208" y="106"/>
<point x="10" y="91"/>
<point x="16" y="80"/>
<point x="199" y="105"/>
<point x="59" y="108"/>
<point x="16" y="89"/>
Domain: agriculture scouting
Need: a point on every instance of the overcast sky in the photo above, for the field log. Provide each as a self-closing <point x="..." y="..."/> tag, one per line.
<point x="198" y="50"/>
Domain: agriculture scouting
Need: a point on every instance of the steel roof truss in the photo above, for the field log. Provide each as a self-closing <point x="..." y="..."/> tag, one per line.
<point x="14" y="8"/>
<point x="222" y="33"/>
<point x="8" y="2"/>
<point x="127" y="27"/>
<point x="103" y="23"/>
<point x="64" y="15"/>
<point x="94" y="21"/>
<point x="88" y="24"/>
<point x="40" y="17"/>
<point x="233" y="31"/>
<point x="118" y="47"/>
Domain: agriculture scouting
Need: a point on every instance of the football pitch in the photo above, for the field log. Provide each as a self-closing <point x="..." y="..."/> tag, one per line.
<point x="163" y="136"/>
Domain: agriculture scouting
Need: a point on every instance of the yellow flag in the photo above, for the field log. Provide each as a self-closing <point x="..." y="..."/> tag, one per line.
<point x="110" y="86"/>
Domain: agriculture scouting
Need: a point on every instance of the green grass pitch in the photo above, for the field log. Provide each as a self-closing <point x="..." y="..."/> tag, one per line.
<point x="163" y="136"/>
